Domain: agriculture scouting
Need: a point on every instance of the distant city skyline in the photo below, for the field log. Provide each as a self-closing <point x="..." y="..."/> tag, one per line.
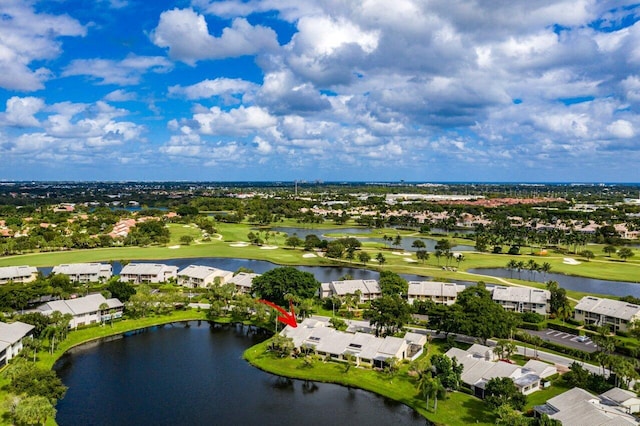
<point x="355" y="91"/>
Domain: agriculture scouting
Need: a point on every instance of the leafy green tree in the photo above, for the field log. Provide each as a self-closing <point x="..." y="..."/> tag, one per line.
<point x="502" y="391"/>
<point x="186" y="239"/>
<point x="273" y="285"/>
<point x="335" y="249"/>
<point x="35" y="381"/>
<point x="39" y="321"/>
<point x="294" y="241"/>
<point x="507" y="416"/>
<point x="392" y="283"/>
<point x="121" y="290"/>
<point x="625" y="253"/>
<point x="381" y="259"/>
<point x="609" y="250"/>
<point x="447" y="370"/>
<point x="422" y="255"/>
<point x="34" y="410"/>
<point x="480" y="316"/>
<point x="587" y="254"/>
<point x="390" y="313"/>
<point x="364" y="257"/>
<point x="418" y="244"/>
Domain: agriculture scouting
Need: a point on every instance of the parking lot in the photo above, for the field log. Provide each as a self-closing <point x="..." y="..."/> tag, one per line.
<point x="565" y="339"/>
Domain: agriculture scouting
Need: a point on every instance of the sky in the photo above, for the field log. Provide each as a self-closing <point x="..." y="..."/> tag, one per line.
<point x="351" y="90"/>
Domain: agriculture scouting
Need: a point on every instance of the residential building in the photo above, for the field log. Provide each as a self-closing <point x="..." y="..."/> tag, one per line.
<point x="18" y="274"/>
<point x="369" y="289"/>
<point x="12" y="336"/>
<point x="85" y="272"/>
<point x="196" y="276"/>
<point x="615" y="314"/>
<point x="243" y="281"/>
<point x="365" y="348"/>
<point x="577" y="407"/>
<point x="438" y="292"/>
<point x="85" y="310"/>
<point x="479" y="368"/>
<point x="625" y="399"/>
<point x="138" y="273"/>
<point x="522" y="299"/>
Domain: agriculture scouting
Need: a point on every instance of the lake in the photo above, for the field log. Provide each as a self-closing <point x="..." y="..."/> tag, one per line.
<point x="193" y="374"/>
<point x="588" y="285"/>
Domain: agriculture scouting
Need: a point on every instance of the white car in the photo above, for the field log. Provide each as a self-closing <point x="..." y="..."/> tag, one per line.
<point x="582" y="339"/>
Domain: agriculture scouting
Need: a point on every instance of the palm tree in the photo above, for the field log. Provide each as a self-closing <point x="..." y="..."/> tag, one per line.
<point x="102" y="308"/>
<point x="511" y="265"/>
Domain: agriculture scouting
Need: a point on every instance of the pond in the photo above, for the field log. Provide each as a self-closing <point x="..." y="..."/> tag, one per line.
<point x="193" y="374"/>
<point x="588" y="285"/>
<point x="406" y="242"/>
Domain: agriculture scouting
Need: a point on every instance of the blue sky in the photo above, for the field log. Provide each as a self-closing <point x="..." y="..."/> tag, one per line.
<point x="357" y="90"/>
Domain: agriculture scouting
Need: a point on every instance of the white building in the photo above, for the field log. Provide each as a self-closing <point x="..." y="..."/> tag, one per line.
<point x="195" y="276"/>
<point x="18" y="274"/>
<point x="11" y="338"/>
<point x="85" y="272"/>
<point x="365" y="348"/>
<point x="85" y="310"/>
<point x="577" y="407"/>
<point x="479" y="367"/>
<point x="138" y="273"/>
<point x="615" y="314"/>
<point x="522" y="299"/>
<point x="438" y="292"/>
<point x="369" y="289"/>
<point x="243" y="281"/>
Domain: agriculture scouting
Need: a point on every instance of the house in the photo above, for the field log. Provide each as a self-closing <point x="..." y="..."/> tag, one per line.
<point x="196" y="276"/>
<point x="615" y="314"/>
<point x="148" y="273"/>
<point x="85" y="310"/>
<point x="577" y="407"/>
<point x="479" y="368"/>
<point x="625" y="399"/>
<point x="363" y="347"/>
<point x="522" y="299"/>
<point x="438" y="292"/>
<point x="84" y="272"/>
<point x="369" y="289"/>
<point x="243" y="281"/>
<point x="11" y="337"/>
<point x="18" y="274"/>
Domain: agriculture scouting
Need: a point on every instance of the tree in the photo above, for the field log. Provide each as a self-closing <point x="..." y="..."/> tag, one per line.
<point x="422" y="255"/>
<point x="186" y="239"/>
<point x="397" y="241"/>
<point x="293" y="241"/>
<point x="273" y="285"/>
<point x="625" y="253"/>
<point x="559" y="302"/>
<point x="609" y="250"/>
<point x="588" y="255"/>
<point x="390" y="313"/>
<point x="380" y="259"/>
<point x="34" y="410"/>
<point x="34" y="381"/>
<point x="418" y="244"/>
<point x="392" y="283"/>
<point x="121" y="290"/>
<point x="502" y="391"/>
<point x="364" y="257"/>
<point x="447" y="370"/>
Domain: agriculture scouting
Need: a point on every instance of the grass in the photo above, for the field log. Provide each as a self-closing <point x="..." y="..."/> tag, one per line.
<point x="458" y="409"/>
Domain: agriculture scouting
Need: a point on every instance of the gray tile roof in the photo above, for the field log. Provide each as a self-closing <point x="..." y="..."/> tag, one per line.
<point x="434" y="289"/>
<point x="608" y="307"/>
<point x="82" y="268"/>
<point x="203" y="272"/>
<point x="12" y="272"/>
<point x="145" y="269"/>
<point x="367" y="287"/>
<point x="521" y="294"/>
<point x="11" y="333"/>
<point x="81" y="305"/>
<point x="243" y="279"/>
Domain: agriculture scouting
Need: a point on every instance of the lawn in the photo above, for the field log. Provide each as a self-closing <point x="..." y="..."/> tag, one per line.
<point x="458" y="409"/>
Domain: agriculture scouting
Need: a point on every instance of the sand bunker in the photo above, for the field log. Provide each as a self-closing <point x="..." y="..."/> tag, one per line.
<point x="174" y="247"/>
<point x="268" y="247"/>
<point x="239" y="244"/>
<point x="570" y="261"/>
<point x="410" y="260"/>
<point x="397" y="253"/>
<point x="309" y="255"/>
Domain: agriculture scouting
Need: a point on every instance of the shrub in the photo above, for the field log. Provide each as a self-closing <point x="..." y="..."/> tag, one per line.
<point x="532" y="317"/>
<point x="533" y="326"/>
<point x="565" y="328"/>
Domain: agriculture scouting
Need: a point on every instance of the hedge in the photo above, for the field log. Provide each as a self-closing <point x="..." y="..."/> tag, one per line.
<point x="564" y="328"/>
<point x="533" y="326"/>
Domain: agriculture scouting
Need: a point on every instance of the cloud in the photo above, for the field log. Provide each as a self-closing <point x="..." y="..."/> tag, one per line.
<point x="239" y="121"/>
<point x="20" y="112"/>
<point x="128" y="71"/>
<point x="27" y="37"/>
<point x="225" y="87"/>
<point x="120" y="96"/>
<point x="186" y="34"/>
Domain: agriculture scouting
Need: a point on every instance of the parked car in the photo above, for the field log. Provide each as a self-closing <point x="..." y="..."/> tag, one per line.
<point x="582" y="339"/>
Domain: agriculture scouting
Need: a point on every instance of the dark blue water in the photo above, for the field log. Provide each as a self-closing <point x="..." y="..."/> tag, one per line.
<point x="194" y="374"/>
<point x="589" y="285"/>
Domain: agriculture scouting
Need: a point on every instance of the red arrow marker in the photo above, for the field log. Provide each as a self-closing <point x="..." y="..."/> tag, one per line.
<point x="288" y="318"/>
